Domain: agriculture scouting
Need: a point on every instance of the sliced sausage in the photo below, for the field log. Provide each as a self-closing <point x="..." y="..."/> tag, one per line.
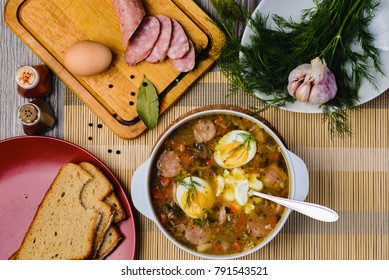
<point x="143" y="41"/>
<point x="159" y="52"/>
<point x="274" y="177"/>
<point x="204" y="130"/>
<point x="258" y="227"/>
<point x="179" y="44"/>
<point x="169" y="164"/>
<point x="130" y="14"/>
<point x="187" y="62"/>
<point x="196" y="235"/>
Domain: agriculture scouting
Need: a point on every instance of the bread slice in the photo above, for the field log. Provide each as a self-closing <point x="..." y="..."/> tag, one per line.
<point x="114" y="202"/>
<point x="112" y="236"/>
<point x="111" y="240"/>
<point x="92" y="196"/>
<point x="13" y="256"/>
<point x="62" y="228"/>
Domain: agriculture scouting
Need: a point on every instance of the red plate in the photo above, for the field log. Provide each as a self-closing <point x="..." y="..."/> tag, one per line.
<point x="28" y="166"/>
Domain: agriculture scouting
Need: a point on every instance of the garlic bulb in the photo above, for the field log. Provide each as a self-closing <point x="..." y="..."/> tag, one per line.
<point x="312" y="83"/>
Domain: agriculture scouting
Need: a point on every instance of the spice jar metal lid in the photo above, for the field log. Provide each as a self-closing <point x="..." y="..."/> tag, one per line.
<point x="29" y="114"/>
<point x="27" y="77"/>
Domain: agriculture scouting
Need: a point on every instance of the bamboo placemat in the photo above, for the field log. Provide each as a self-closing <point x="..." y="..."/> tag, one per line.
<point x="349" y="175"/>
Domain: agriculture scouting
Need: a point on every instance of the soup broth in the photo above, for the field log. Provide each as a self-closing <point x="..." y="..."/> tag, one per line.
<point x="201" y="177"/>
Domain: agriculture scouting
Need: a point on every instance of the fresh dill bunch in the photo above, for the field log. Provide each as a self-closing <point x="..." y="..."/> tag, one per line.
<point x="334" y="30"/>
<point x="337" y="31"/>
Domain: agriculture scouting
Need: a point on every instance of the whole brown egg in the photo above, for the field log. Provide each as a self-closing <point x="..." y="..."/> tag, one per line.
<point x="87" y="58"/>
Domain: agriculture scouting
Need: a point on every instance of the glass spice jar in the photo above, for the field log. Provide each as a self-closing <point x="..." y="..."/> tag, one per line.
<point x="33" y="81"/>
<point x="36" y="117"/>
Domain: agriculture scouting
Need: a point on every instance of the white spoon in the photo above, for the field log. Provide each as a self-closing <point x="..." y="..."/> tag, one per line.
<point x="314" y="211"/>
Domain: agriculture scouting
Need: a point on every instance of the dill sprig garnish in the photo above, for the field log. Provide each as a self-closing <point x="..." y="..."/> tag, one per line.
<point x="334" y="30"/>
<point x="247" y="138"/>
<point x="191" y="185"/>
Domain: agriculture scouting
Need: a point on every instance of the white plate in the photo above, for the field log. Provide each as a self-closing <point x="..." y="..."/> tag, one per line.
<point x="379" y="27"/>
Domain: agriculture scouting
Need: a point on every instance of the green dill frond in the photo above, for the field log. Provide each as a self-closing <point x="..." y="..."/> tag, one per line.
<point x="334" y="30"/>
<point x="192" y="189"/>
<point x="248" y="138"/>
<point x="338" y="123"/>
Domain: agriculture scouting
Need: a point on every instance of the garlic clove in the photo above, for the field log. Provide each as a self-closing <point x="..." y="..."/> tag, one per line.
<point x="296" y="78"/>
<point x="299" y="72"/>
<point x="293" y="86"/>
<point x="303" y="91"/>
<point x="318" y="69"/>
<point x="312" y="83"/>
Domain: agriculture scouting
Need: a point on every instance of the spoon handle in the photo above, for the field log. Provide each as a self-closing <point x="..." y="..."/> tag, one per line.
<point x="314" y="211"/>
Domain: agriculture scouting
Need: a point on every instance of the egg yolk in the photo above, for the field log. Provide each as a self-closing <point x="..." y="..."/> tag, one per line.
<point x="234" y="149"/>
<point x="194" y="196"/>
<point x="234" y="154"/>
<point x="195" y="205"/>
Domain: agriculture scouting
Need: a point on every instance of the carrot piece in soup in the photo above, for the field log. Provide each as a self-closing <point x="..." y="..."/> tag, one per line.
<point x="241" y="221"/>
<point x="209" y="161"/>
<point x="219" y="120"/>
<point x="218" y="248"/>
<point x="179" y="146"/>
<point x="272" y="220"/>
<point x="233" y="208"/>
<point x="165" y="181"/>
<point x="157" y="195"/>
<point x="236" y="246"/>
<point x="222" y="127"/>
<point x="186" y="159"/>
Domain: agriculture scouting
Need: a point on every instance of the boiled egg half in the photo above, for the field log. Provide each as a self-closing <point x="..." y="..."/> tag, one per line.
<point x="194" y="195"/>
<point x="235" y="149"/>
<point x="234" y="185"/>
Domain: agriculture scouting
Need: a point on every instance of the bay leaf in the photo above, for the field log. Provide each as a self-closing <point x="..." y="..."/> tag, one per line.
<point x="147" y="104"/>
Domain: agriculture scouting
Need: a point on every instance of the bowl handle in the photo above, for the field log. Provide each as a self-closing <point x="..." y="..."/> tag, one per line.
<point x="301" y="177"/>
<point x="139" y="190"/>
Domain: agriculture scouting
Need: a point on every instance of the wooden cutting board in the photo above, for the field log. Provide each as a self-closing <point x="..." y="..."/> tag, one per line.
<point x="50" y="27"/>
